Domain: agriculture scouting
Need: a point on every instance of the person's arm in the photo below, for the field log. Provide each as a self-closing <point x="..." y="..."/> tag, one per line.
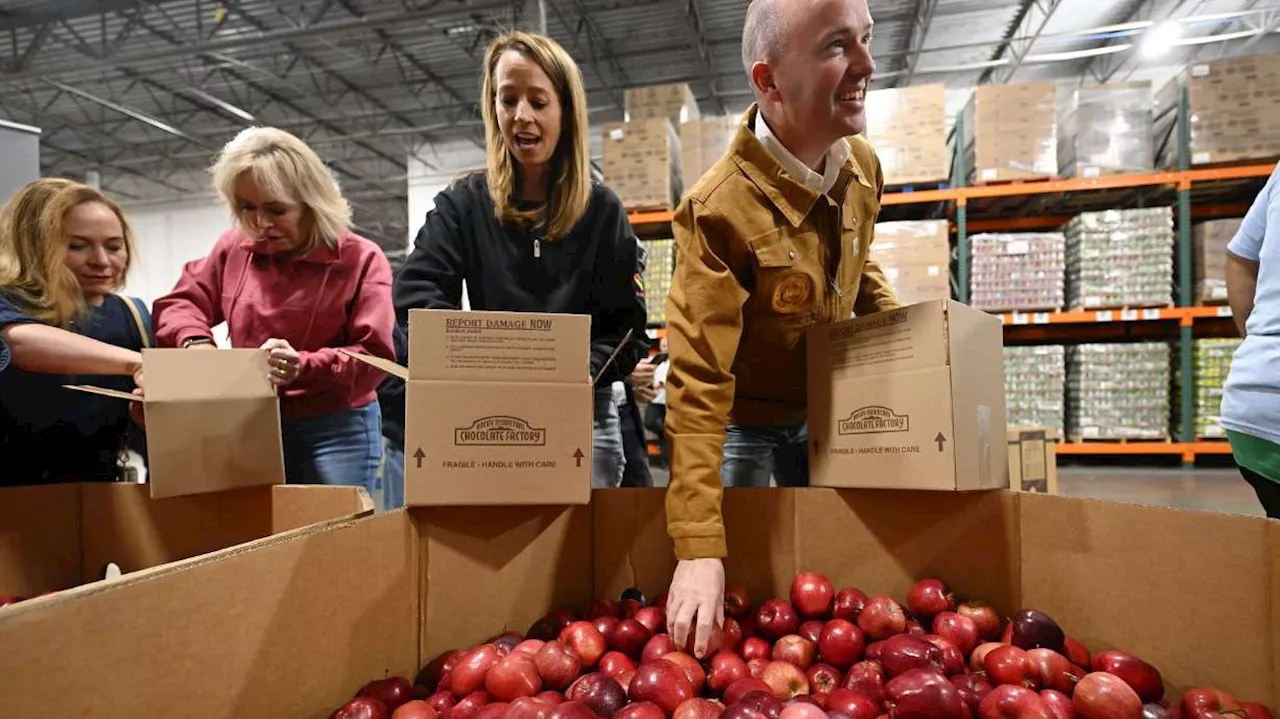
<point x="875" y="293"/>
<point x="432" y="275"/>
<point x="1243" y="255"/>
<point x="368" y="332"/>
<point x="194" y="306"/>
<point x="36" y="347"/>
<point x="621" y="302"/>
<point x="1242" y="286"/>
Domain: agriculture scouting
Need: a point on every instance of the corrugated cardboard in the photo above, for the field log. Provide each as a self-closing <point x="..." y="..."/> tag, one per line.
<point x="293" y="625"/>
<point x="908" y="399"/>
<point x="1033" y="459"/>
<point x="916" y="258"/>
<point x="213" y="421"/>
<point x="1105" y="129"/>
<point x="641" y="163"/>
<point x="498" y="410"/>
<point x="908" y="128"/>
<point x="674" y="102"/>
<point x="60" y="536"/>
<point x="1011" y="132"/>
<point x="1234" y="111"/>
<point x="1210" y="240"/>
<point x="702" y="144"/>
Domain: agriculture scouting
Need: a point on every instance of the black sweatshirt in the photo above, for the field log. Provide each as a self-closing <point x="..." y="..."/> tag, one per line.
<point x="594" y="270"/>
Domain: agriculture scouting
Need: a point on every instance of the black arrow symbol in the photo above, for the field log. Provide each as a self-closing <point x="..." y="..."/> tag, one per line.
<point x="418" y="456"/>
<point x="578" y="455"/>
<point x="940" y="440"/>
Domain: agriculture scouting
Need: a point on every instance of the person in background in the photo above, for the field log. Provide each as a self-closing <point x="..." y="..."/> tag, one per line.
<point x="1251" y="395"/>
<point x="772" y="241"/>
<point x="533" y="232"/>
<point x="390" y="493"/>
<point x="292" y="279"/>
<point x="64" y="251"/>
<point x="629" y="396"/>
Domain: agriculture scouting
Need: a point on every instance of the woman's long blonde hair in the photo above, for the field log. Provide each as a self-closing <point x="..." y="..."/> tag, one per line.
<point x="570" y="176"/>
<point x="33" y="249"/>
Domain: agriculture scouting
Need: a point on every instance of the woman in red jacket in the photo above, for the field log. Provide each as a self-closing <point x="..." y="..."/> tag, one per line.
<point x="294" y="280"/>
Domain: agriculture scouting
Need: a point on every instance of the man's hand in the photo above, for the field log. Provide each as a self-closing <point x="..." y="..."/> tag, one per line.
<point x="696" y="602"/>
<point x="641" y="381"/>
<point x="284" y="361"/>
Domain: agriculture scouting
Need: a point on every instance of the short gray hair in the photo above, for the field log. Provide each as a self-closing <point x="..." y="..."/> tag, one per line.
<point x="761" y="34"/>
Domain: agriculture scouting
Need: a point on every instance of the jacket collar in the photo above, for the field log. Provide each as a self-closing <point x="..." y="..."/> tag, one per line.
<point x="792" y="198"/>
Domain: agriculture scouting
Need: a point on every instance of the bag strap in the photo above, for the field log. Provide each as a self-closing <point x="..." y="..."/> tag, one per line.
<point x="143" y="331"/>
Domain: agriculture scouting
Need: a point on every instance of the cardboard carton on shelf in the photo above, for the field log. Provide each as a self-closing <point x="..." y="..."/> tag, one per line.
<point x="674" y="102"/>
<point x="907" y="126"/>
<point x="641" y="163"/>
<point x="1011" y="132"/>
<point x="1209" y="242"/>
<point x="1033" y="459"/>
<point x="908" y="399"/>
<point x="1234" y="105"/>
<point x="294" y="625"/>
<point x="499" y="408"/>
<point x="213" y="421"/>
<point x="1105" y="129"/>
<point x="702" y="144"/>
<point x="916" y="258"/>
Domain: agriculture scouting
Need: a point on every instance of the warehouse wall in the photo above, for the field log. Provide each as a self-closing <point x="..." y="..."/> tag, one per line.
<point x="19" y="157"/>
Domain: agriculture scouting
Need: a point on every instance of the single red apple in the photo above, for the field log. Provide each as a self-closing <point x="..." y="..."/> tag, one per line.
<point x="418" y="709"/>
<point x="848" y="604"/>
<point x="1254" y="710"/>
<point x="756" y="666"/>
<point x="730" y="635"/>
<point x="952" y="660"/>
<point x="597" y="608"/>
<point x="640" y="710"/>
<point x="653" y="619"/>
<point x="529" y="646"/>
<point x="726" y="668"/>
<point x="867" y="678"/>
<point x="545" y="629"/>
<point x="764" y="702"/>
<point x="1058" y="704"/>
<point x="614" y="663"/>
<point x="882" y="618"/>
<point x="601" y="694"/>
<point x="811" y="630"/>
<point x="467" y="706"/>
<point x="855" y="704"/>
<point x="691" y="667"/>
<point x="1139" y="675"/>
<point x="1008" y="664"/>
<point x="1100" y="695"/>
<point x="742" y="687"/>
<point x="796" y="650"/>
<point x="959" y="630"/>
<point x="973" y="689"/>
<point x="924" y="694"/>
<point x="841" y="643"/>
<point x="980" y="654"/>
<point x="756" y="648"/>
<point x="657" y="645"/>
<point x="442" y="701"/>
<point x="606" y="625"/>
<point x="557" y="664"/>
<point x="1055" y="671"/>
<point x="662" y="683"/>
<point x="570" y="710"/>
<point x="903" y="652"/>
<point x="1201" y="703"/>
<point x="515" y="676"/>
<point x="551" y="698"/>
<point x="492" y="710"/>
<point x="528" y="708"/>
<point x="1033" y="629"/>
<point x="872" y="652"/>
<point x="583" y="638"/>
<point x="742" y="711"/>
<point x="785" y="679"/>
<point x="984" y="617"/>
<point x="823" y="678"/>
<point x="802" y="710"/>
<point x="697" y="708"/>
<point x="506" y="643"/>
<point x="361" y="708"/>
<point x="929" y="598"/>
<point x="629" y="638"/>
<point x="776" y="619"/>
<point x="432" y="671"/>
<point x="1077" y="653"/>
<point x="628" y="608"/>
<point x="812" y="595"/>
<point x="736" y="602"/>
<point x="393" y="692"/>
<point x="1013" y="702"/>
<point x="467" y="676"/>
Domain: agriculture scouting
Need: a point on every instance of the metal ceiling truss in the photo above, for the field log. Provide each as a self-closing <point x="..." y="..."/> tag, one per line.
<point x="706" y="61"/>
<point x="1019" y="39"/>
<point x="921" y="19"/>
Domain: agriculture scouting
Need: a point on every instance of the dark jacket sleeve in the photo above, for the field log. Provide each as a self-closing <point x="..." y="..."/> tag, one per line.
<point x="620" y="304"/>
<point x="432" y="275"/>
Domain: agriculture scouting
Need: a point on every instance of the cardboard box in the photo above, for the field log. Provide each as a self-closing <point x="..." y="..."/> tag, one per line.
<point x="908" y="399"/>
<point x="702" y="144"/>
<point x="674" y="102"/>
<point x="213" y="421"/>
<point x="294" y="625"/>
<point x="916" y="258"/>
<point x="908" y="128"/>
<point x="641" y="163"/>
<point x="1234" y="111"/>
<point x="1033" y="459"/>
<point x="498" y="408"/>
<point x="1011" y="132"/>
<point x="1209" y="242"/>
<point x="1105" y="129"/>
<point x="53" y="537"/>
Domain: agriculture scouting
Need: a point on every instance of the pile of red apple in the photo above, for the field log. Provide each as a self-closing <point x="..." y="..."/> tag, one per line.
<point x="824" y="654"/>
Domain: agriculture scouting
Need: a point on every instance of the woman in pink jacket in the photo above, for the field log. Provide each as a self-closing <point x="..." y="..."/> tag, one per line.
<point x="294" y="280"/>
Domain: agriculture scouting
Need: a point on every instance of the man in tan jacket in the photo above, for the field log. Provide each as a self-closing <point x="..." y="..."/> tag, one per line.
<point x="773" y="240"/>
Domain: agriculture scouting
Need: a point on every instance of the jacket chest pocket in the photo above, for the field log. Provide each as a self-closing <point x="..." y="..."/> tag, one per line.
<point x="787" y="296"/>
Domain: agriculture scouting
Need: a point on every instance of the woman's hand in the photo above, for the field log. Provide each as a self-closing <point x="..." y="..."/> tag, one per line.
<point x="284" y="361"/>
<point x="136" y="411"/>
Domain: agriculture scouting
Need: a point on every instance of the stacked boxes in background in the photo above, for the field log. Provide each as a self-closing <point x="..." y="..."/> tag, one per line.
<point x="1120" y="258"/>
<point x="1234" y="106"/>
<point x="674" y="102"/>
<point x="1035" y="380"/>
<point x="660" y="264"/>
<point x="916" y="258"/>
<point x="642" y="163"/>
<point x="908" y="128"/>
<point x="1105" y="129"/>
<point x="1210" y="240"/>
<point x="1213" y="362"/>
<point x="702" y="143"/>
<point x="1023" y="271"/>
<point x="1011" y="132"/>
<point x="1118" y="391"/>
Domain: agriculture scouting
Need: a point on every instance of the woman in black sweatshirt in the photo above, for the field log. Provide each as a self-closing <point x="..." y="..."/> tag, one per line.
<point x="534" y="233"/>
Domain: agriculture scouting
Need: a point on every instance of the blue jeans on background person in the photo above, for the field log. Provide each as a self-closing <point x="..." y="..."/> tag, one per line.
<point x="754" y="454"/>
<point x="343" y="448"/>
<point x="390" y="493"/>
<point x="607" y="457"/>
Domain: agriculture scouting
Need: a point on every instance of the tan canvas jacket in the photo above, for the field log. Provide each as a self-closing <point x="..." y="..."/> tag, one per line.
<point x="754" y="271"/>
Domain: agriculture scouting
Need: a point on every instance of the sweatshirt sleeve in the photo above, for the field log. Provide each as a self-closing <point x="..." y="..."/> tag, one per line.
<point x="368" y="331"/>
<point x="621" y="300"/>
<point x="704" y="329"/>
<point x="194" y="307"/>
<point x="875" y="292"/>
<point x="432" y="275"/>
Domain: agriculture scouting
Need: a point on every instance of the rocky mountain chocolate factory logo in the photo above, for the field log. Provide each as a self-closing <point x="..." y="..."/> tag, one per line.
<point x="874" y="420"/>
<point x="499" y="431"/>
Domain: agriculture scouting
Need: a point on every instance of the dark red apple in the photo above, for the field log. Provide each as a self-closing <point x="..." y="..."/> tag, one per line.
<point x="980" y="654"/>
<point x="873" y="651"/>
<point x="601" y="694"/>
<point x="1008" y="664"/>
<point x="902" y="653"/>
<point x="764" y="702"/>
<point x="658" y="645"/>
<point x="855" y="704"/>
<point x="361" y="708"/>
<point x="614" y="663"/>
<point x="467" y="676"/>
<point x="726" y="668"/>
<point x="1058" y="704"/>
<point x="785" y="679"/>
<point x="515" y="676"/>
<point x="627" y="608"/>
<point x="867" y="677"/>
<point x="599" y="608"/>
<point x="741" y="688"/>
<point x="529" y="708"/>
<point x="812" y="595"/>
<point x="953" y="662"/>
<point x="1139" y="675"/>
<point x="629" y="638"/>
<point x="776" y="619"/>
<point x="606" y="625"/>
<point x="929" y="598"/>
<point x="823" y="678"/>
<point x="756" y="648"/>
<point x="750" y="628"/>
<point x="973" y="689"/>
<point x="1254" y="710"/>
<point x="557" y="664"/>
<point x="442" y="701"/>
<point x="492" y="710"/>
<point x="506" y="643"/>
<point x="736" y="602"/>
<point x="882" y="618"/>
<point x="841" y="643"/>
<point x="583" y="638"/>
<point x="742" y="711"/>
<point x="1013" y="702"/>
<point x="848" y="604"/>
<point x="984" y="617"/>
<point x="1077" y="653"/>
<point x="924" y="694"/>
<point x="653" y="619"/>
<point x="570" y="710"/>
<point x="662" y="683"/>
<point x="640" y="710"/>
<point x="730" y="635"/>
<point x="697" y="708"/>
<point x="1201" y="703"/>
<point x="545" y="629"/>
<point x="551" y="698"/>
<point x="417" y="709"/>
<point x="796" y="650"/>
<point x="431" y="672"/>
<point x="467" y="706"/>
<point x="1105" y="696"/>
<point x="691" y="667"/>
<point x="959" y="630"/>
<point x="1033" y="629"/>
<point x="1054" y="671"/>
<point x="811" y="630"/>
<point x="392" y="691"/>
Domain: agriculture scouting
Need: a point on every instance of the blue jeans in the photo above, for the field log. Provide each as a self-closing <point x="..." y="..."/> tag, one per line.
<point x="390" y="491"/>
<point x="343" y="448"/>
<point x="754" y="454"/>
<point x="608" y="460"/>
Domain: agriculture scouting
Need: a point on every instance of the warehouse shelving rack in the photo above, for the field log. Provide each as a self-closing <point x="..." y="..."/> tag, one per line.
<point x="1195" y="193"/>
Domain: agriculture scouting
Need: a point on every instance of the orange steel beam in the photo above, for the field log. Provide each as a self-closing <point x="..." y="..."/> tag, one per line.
<point x="663" y="217"/>
<point x="1143" y="448"/>
<point x="1184" y="315"/>
<point x="1238" y="172"/>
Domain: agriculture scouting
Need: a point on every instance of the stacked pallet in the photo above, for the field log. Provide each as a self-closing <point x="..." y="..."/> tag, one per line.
<point x="1034" y="387"/>
<point x="1213" y="363"/>
<point x="660" y="264"/>
<point x="1105" y="129"/>
<point x="1023" y="271"/>
<point x="1120" y="258"/>
<point x="1234" y="103"/>
<point x="1210" y="240"/>
<point x="915" y="257"/>
<point x="1118" y="391"/>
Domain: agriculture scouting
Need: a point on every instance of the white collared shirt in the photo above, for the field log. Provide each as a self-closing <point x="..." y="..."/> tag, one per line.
<point x="823" y="183"/>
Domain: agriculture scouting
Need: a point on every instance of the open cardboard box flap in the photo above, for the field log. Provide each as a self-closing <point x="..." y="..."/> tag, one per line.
<point x="213" y="420"/>
<point x="294" y="624"/>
